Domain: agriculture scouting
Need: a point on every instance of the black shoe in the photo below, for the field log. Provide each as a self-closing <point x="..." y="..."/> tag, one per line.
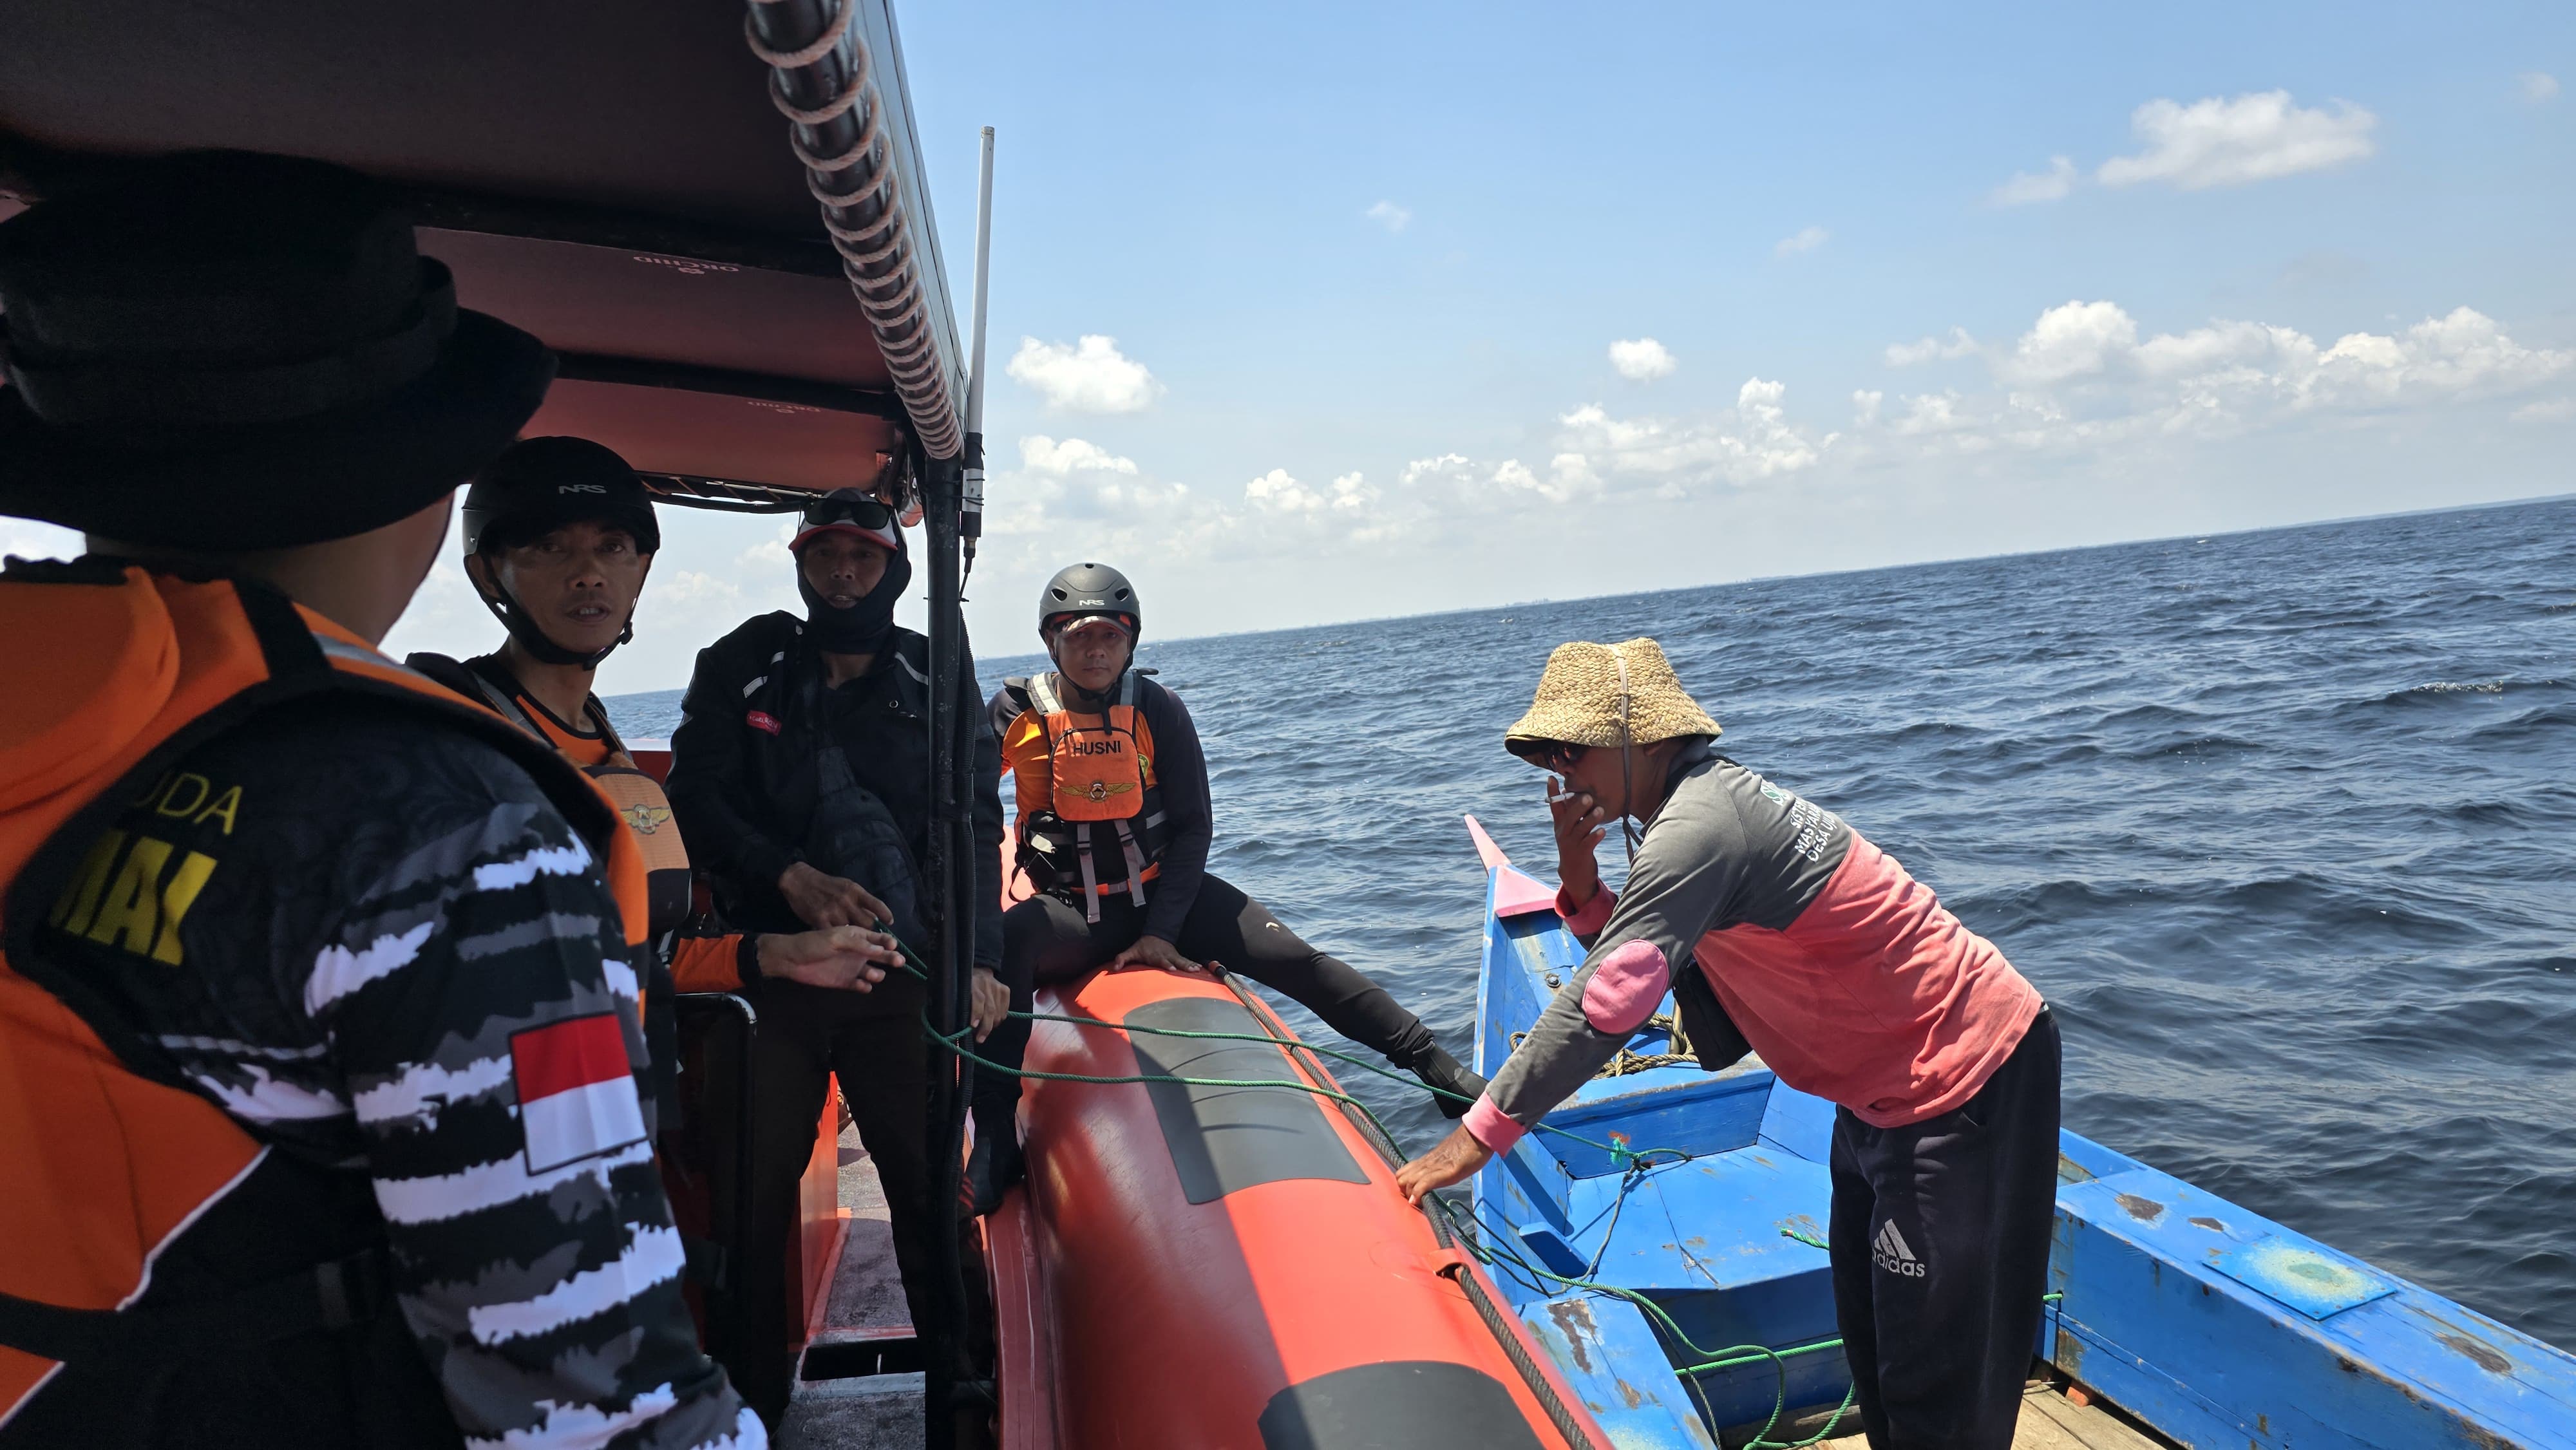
<point x="1441" y="1073"/>
<point x="993" y="1167"/>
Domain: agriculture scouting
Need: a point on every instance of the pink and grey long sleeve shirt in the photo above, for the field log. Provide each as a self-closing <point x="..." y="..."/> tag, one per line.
<point x="1845" y="973"/>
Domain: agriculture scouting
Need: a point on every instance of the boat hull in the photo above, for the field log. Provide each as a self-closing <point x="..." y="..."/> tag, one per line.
<point x="1232" y="1266"/>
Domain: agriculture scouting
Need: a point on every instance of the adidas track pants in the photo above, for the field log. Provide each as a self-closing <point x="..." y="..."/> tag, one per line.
<point x="1940" y="1241"/>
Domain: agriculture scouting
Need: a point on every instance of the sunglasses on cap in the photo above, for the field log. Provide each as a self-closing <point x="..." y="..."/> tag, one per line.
<point x="848" y="506"/>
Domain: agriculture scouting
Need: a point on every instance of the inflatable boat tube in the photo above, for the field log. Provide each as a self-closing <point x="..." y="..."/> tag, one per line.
<point x="1199" y="1267"/>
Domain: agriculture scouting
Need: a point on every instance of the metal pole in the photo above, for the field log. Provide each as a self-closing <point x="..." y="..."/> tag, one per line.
<point x="944" y="1340"/>
<point x="971" y="523"/>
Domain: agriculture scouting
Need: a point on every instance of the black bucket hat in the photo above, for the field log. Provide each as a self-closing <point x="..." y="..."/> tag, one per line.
<point x="223" y="350"/>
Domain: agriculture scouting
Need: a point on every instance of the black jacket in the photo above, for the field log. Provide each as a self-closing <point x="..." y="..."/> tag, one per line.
<point x="746" y="766"/>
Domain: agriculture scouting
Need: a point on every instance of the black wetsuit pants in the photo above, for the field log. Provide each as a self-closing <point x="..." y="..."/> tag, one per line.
<point x="872" y="1043"/>
<point x="1940" y="1246"/>
<point x="1046" y="940"/>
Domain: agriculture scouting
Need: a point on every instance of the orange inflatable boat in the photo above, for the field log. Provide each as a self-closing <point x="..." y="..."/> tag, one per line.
<point x="1199" y="1267"/>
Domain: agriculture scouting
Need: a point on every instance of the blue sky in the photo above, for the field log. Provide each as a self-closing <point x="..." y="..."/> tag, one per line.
<point x="1364" y="267"/>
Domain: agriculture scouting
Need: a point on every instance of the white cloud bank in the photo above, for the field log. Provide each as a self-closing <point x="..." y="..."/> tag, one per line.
<point x="2537" y="86"/>
<point x="1390" y="216"/>
<point x="2084" y="389"/>
<point x="1091" y="376"/>
<point x="2255" y="137"/>
<point x="1807" y="239"/>
<point x="1642" y="359"/>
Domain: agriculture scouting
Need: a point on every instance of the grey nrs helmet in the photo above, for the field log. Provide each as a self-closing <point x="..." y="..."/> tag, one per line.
<point x="1089" y="589"/>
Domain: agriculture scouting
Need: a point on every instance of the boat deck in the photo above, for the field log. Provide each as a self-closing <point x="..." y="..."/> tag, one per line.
<point x="2049" y="1421"/>
<point x="848" y="1399"/>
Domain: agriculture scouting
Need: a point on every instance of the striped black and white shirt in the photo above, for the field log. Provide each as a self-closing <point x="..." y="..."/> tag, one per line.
<point x="376" y="945"/>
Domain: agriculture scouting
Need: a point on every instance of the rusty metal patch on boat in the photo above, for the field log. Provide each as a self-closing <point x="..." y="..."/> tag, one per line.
<point x="1574" y="1321"/>
<point x="2144" y="1210"/>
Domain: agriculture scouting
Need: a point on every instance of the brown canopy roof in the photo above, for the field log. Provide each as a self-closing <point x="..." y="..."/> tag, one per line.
<point x="608" y="174"/>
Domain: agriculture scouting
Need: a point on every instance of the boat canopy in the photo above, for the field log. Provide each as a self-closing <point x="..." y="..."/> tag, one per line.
<point x="748" y="307"/>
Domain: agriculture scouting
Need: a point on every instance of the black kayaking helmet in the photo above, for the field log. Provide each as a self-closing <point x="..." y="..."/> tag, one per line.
<point x="539" y="485"/>
<point x="1080" y="590"/>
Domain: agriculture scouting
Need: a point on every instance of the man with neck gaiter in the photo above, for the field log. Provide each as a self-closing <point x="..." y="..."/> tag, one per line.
<point x="800" y="778"/>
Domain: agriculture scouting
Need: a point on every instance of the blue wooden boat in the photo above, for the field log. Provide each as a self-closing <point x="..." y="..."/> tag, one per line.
<point x="2177" y="1316"/>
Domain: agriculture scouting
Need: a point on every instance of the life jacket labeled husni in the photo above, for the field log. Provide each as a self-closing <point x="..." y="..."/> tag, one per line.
<point x="116" y="1161"/>
<point x="1102" y="777"/>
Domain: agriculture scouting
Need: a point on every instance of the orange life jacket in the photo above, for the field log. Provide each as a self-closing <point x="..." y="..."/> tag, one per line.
<point x="636" y="796"/>
<point x="1101" y="770"/>
<point x="115" y="673"/>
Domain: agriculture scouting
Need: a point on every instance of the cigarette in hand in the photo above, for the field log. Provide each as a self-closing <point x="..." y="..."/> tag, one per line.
<point x="1558" y="800"/>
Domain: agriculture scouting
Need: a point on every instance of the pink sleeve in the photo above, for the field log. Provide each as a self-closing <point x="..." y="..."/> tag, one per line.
<point x="1487" y="1125"/>
<point x="1594" y="915"/>
<point x="1625" y="987"/>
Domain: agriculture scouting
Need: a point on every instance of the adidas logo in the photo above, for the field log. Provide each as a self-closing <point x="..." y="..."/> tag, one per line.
<point x="1889" y="1252"/>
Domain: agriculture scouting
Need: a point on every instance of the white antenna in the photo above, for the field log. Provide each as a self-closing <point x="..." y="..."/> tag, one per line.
<point x="970" y="524"/>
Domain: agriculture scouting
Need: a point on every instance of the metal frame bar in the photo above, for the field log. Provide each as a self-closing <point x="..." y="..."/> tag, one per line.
<point x="591" y="367"/>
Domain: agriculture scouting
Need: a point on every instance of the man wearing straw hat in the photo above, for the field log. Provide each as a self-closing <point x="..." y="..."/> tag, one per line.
<point x="1815" y="948"/>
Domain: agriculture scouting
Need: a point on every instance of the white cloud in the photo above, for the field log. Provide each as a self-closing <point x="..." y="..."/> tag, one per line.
<point x="1390" y="216"/>
<point x="1742" y="445"/>
<point x="2538" y="86"/>
<point x="1444" y="466"/>
<point x="1091" y="376"/>
<point x="1807" y="240"/>
<point x="2553" y="410"/>
<point x="1642" y="359"/>
<point x="1041" y="454"/>
<point x="2082" y="373"/>
<point x="1907" y="354"/>
<point x="2030" y="186"/>
<point x="1865" y="405"/>
<point x="2255" y="137"/>
<point x="2071" y="340"/>
<point x="1276" y="492"/>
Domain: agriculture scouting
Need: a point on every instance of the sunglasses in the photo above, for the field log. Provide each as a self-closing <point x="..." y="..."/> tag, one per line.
<point x="849" y="506"/>
<point x="1556" y="756"/>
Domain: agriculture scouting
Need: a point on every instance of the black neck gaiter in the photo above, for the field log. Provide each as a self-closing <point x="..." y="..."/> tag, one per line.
<point x="864" y="627"/>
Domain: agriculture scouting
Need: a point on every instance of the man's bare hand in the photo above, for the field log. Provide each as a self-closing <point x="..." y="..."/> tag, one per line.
<point x="1153" y="951"/>
<point x="845" y="958"/>
<point x="1454" y="1161"/>
<point x="992" y="1003"/>
<point x="1580" y="824"/>
<point x="822" y="899"/>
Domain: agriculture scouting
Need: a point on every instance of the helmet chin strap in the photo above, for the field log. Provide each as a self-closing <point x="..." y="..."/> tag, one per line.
<point x="514" y="618"/>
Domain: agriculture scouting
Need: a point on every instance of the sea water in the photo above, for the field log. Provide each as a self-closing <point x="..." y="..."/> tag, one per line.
<point x="2283" y="823"/>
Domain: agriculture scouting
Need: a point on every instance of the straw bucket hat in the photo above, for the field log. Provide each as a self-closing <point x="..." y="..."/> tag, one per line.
<point x="1608" y="695"/>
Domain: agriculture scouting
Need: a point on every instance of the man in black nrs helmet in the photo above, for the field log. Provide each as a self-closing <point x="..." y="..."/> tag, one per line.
<point x="1114" y="828"/>
<point x="800" y="774"/>
<point x="559" y="536"/>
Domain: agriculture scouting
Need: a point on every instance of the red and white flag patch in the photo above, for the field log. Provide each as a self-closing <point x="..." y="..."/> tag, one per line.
<point x="576" y="1091"/>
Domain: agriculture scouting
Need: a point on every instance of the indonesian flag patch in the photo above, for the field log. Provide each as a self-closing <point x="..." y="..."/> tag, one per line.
<point x="576" y="1091"/>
